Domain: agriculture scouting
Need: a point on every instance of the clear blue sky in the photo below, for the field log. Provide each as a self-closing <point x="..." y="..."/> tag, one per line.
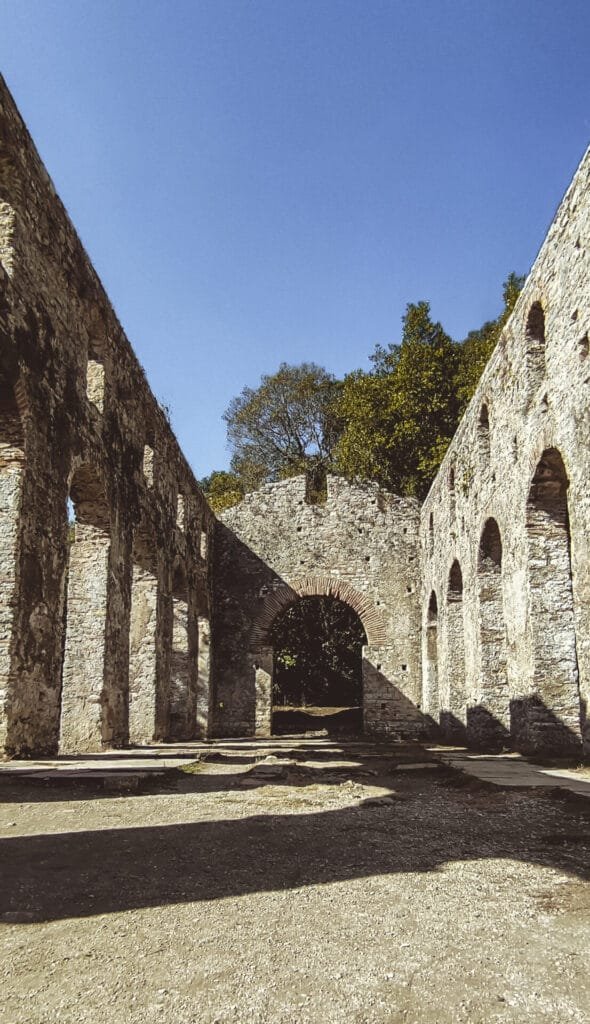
<point x="275" y="179"/>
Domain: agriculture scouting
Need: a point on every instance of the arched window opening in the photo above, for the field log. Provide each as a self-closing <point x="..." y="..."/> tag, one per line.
<point x="180" y="511"/>
<point x="95" y="375"/>
<point x="148" y="463"/>
<point x="204" y="546"/>
<point x="451" y="481"/>
<point x="452" y="712"/>
<point x="483" y="432"/>
<point x="535" y="348"/>
<point x="430" y="700"/>
<point x="455" y="589"/>
<point x="88" y="718"/>
<point x="317" y="680"/>
<point x="552" y="719"/>
<point x="143" y="622"/>
<point x="8" y="196"/>
<point x="489" y="718"/>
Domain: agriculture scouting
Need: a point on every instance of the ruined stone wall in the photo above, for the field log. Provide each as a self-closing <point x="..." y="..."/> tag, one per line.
<point x="95" y="619"/>
<point x="509" y="517"/>
<point x="360" y="547"/>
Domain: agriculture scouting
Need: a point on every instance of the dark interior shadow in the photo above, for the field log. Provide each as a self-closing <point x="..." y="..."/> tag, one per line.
<point x="296" y="721"/>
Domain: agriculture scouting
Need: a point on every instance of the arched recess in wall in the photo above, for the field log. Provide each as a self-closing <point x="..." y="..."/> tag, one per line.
<point x="143" y="628"/>
<point x="452" y="715"/>
<point x="85" y="722"/>
<point x="9" y="192"/>
<point x="550" y="718"/>
<point x="278" y="600"/>
<point x="12" y="457"/>
<point x="488" y="721"/>
<point x="483" y="433"/>
<point x="430" y="696"/>
<point x="535" y="349"/>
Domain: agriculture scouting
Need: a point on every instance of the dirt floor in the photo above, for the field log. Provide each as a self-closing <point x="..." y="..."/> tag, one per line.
<point x="294" y="883"/>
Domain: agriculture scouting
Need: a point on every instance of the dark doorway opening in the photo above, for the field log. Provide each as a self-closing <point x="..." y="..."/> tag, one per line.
<point x="318" y="668"/>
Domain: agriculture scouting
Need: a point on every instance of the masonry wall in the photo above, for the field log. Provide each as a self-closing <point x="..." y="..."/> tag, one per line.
<point x="361" y="547"/>
<point x="86" y="610"/>
<point x="511" y="508"/>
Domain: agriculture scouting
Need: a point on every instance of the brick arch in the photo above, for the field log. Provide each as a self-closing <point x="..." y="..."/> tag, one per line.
<point x="318" y="586"/>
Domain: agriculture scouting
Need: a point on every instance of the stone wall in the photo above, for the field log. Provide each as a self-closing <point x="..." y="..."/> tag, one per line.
<point x="99" y="621"/>
<point x="509" y="517"/>
<point x="361" y="548"/>
<point x="121" y="597"/>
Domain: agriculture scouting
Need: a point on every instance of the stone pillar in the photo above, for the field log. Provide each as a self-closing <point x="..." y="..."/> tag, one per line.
<point x="10" y="480"/>
<point x="179" y="671"/>
<point x="430" y="696"/>
<point x="84" y="657"/>
<point x="204" y="677"/>
<point x="452" y="685"/>
<point x="263" y="676"/>
<point x="142" y="656"/>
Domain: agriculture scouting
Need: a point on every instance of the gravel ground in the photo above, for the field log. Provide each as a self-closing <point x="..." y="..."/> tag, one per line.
<point x="318" y="884"/>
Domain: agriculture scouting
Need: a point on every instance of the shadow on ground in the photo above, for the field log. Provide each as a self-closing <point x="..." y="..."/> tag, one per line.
<point x="430" y="817"/>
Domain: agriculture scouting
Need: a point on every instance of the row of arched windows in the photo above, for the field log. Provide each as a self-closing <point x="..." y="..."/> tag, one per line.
<point x="549" y="713"/>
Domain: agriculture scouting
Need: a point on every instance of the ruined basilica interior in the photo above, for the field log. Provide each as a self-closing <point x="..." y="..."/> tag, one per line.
<point x="130" y="614"/>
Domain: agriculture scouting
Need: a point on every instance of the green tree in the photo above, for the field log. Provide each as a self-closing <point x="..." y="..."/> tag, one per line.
<point x="399" y="418"/>
<point x="479" y="345"/>
<point x="318" y="654"/>
<point x="284" y="427"/>
<point x="222" y="489"/>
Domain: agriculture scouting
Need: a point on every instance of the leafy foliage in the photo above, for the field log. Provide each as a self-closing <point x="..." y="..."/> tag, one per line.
<point x="284" y="427"/>
<point x="222" y="490"/>
<point x="400" y="418"/>
<point x="318" y="659"/>
<point x="479" y="345"/>
<point x="392" y="424"/>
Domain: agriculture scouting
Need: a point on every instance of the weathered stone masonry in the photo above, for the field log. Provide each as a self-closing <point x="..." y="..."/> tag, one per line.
<point x="360" y="547"/>
<point x="505" y="527"/>
<point x="147" y="619"/>
<point x="99" y="622"/>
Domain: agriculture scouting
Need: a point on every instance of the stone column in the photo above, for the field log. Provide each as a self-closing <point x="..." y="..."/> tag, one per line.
<point x="142" y="656"/>
<point x="84" y="658"/>
<point x="203" y="679"/>
<point x="263" y="676"/>
<point x="10" y="480"/>
<point x="179" y="671"/>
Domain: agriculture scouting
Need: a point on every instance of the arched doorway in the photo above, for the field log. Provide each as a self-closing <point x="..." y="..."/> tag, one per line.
<point x="430" y="696"/>
<point x="552" y="719"/>
<point x="317" y="679"/>
<point x="275" y="601"/>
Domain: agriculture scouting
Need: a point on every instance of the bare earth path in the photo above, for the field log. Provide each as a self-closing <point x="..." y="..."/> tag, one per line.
<point x="323" y="884"/>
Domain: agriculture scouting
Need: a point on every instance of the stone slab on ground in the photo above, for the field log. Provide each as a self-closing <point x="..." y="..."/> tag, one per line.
<point x="512" y="769"/>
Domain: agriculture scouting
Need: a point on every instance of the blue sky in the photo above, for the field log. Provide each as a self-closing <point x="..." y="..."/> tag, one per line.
<point x="265" y="181"/>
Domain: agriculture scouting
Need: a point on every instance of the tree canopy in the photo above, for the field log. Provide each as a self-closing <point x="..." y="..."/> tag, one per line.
<point x="392" y="424"/>
<point x="399" y="419"/>
<point x="285" y="426"/>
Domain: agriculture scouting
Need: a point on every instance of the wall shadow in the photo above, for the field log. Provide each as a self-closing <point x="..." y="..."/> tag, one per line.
<point x="84" y="873"/>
